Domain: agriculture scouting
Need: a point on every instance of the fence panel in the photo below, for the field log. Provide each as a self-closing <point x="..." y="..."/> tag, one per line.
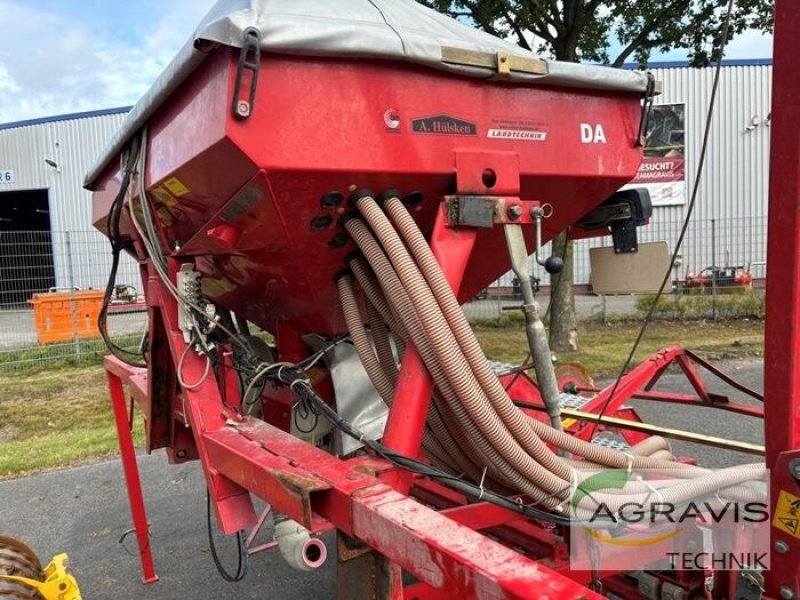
<point x="59" y="270"/>
<point x="35" y="262"/>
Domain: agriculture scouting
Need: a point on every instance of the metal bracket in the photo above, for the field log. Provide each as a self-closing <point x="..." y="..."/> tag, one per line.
<point x="249" y="60"/>
<point x="488" y="211"/>
<point x="647" y="110"/>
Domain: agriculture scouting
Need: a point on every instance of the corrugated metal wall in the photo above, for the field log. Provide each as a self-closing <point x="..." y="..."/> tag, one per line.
<point x="734" y="187"/>
<point x="80" y="256"/>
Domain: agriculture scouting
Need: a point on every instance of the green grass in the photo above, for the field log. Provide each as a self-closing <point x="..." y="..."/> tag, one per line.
<point x="604" y="348"/>
<point x="55" y="418"/>
<point x="62" y="355"/>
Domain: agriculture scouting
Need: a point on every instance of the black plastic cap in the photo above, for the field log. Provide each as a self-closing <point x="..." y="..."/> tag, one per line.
<point x="339" y="240"/>
<point x="359" y="194"/>
<point x="554" y="265"/>
<point x="413" y="198"/>
<point x="352" y="256"/>
<point x="346" y="217"/>
<point x="388" y="194"/>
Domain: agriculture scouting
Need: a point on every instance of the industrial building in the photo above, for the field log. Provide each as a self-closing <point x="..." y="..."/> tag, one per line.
<point x="732" y="199"/>
<point x="46" y="236"/>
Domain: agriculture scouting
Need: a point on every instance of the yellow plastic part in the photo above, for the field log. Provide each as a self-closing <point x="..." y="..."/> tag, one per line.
<point x="58" y="584"/>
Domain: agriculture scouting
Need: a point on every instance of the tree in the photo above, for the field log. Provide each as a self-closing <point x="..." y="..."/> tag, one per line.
<point x="588" y="31"/>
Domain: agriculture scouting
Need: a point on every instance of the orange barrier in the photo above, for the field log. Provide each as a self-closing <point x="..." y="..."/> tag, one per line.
<point x="63" y="316"/>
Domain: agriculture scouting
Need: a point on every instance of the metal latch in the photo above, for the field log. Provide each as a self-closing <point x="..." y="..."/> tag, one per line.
<point x="249" y="60"/>
<point x="647" y="109"/>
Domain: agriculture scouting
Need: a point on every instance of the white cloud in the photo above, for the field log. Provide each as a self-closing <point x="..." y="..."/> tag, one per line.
<point x="53" y="63"/>
<point x="750" y="44"/>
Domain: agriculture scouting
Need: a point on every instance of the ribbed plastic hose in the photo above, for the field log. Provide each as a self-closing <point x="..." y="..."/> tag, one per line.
<point x="411" y="281"/>
<point x="466" y="434"/>
<point x="382" y="343"/>
<point x="503" y="457"/>
<point x="375" y="370"/>
<point x="403" y="316"/>
<point x="361" y="341"/>
<point x="516" y="420"/>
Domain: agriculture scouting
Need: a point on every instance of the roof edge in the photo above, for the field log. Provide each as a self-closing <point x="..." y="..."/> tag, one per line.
<point x="66" y="117"/>
<point x="684" y="64"/>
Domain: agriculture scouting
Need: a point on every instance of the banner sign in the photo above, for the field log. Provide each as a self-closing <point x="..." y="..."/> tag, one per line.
<point x="663" y="171"/>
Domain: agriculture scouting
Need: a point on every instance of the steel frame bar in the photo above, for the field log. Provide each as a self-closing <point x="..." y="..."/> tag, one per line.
<point x="115" y="372"/>
<point x="644" y="374"/>
<point x="782" y="329"/>
<point x="689" y="399"/>
<point x="668" y="432"/>
<point x="405" y="426"/>
<point x="638" y="383"/>
<point x="431" y="546"/>
<point x="724" y="376"/>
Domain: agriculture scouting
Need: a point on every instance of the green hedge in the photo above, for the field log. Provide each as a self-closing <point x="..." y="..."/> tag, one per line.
<point x="729" y="306"/>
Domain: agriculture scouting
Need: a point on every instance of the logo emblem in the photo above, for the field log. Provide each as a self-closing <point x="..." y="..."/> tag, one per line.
<point x="443" y="125"/>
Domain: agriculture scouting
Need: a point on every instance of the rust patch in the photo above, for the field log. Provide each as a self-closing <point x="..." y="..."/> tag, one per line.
<point x="348" y="548"/>
<point x="298" y="484"/>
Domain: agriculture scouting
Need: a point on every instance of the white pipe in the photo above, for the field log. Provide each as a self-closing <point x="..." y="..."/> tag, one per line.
<point x="297" y="547"/>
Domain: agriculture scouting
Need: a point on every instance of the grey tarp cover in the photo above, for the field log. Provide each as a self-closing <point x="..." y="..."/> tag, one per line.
<point x="386" y="29"/>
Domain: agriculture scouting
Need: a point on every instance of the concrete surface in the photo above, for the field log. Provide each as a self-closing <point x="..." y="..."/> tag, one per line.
<point x="84" y="511"/>
<point x="18" y="329"/>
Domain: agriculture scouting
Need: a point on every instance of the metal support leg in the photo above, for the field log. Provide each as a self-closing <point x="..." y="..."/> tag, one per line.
<point x="406" y="424"/>
<point x="362" y="574"/>
<point x="131" y="470"/>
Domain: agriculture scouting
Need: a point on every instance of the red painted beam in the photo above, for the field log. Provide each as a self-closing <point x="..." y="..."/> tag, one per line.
<point x="448" y="556"/>
<point x="782" y="329"/>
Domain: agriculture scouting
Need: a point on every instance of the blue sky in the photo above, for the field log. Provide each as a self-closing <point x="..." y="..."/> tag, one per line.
<point x="62" y="56"/>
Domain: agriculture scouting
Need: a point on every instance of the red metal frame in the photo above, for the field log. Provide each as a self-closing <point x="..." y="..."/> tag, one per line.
<point x="116" y="373"/>
<point x="414" y="524"/>
<point x="782" y="329"/>
<point x="367" y="498"/>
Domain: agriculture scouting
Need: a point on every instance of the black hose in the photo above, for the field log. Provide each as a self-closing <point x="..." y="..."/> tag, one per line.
<point x="113" y="232"/>
<point x="296" y="380"/>
<point x="241" y="567"/>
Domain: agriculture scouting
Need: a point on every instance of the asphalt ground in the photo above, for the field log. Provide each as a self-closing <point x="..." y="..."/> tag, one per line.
<point x="84" y="511"/>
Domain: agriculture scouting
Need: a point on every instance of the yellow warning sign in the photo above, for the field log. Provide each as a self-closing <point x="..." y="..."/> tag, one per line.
<point x="175" y="185"/>
<point x="165" y="196"/>
<point x="787" y="514"/>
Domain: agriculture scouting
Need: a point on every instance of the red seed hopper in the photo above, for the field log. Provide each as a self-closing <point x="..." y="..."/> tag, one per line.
<point x="341" y="175"/>
<point x="253" y="155"/>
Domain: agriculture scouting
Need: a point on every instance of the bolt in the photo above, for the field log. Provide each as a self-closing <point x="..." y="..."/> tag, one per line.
<point x="243" y="108"/>
<point x="537" y="212"/>
<point x="787" y="593"/>
<point x="514" y="211"/>
<point x="794" y="468"/>
<point x="181" y="453"/>
<point x="781" y="547"/>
